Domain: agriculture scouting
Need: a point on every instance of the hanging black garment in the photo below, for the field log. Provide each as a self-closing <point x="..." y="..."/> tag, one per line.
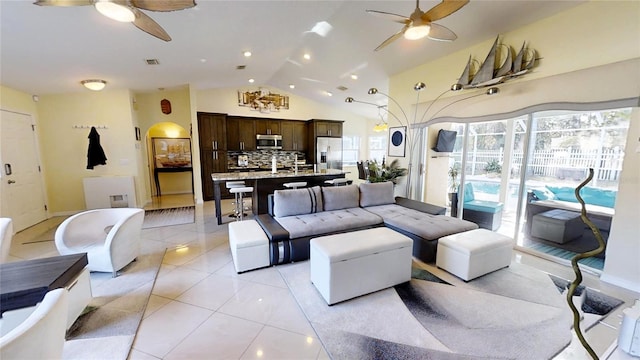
<point x="95" y="155"/>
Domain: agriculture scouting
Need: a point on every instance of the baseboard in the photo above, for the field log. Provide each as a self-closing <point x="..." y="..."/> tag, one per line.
<point x="623" y="283"/>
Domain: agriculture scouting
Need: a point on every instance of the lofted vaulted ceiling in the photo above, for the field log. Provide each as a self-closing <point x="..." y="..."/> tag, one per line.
<point x="45" y="50"/>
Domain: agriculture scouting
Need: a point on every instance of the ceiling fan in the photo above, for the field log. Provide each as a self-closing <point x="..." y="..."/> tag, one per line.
<point x="127" y="11"/>
<point x="420" y="24"/>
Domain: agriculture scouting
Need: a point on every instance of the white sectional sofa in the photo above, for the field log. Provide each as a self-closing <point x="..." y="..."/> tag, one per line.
<point x="296" y="216"/>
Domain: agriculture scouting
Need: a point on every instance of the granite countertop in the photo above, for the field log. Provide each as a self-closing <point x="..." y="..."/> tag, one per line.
<point x="268" y="175"/>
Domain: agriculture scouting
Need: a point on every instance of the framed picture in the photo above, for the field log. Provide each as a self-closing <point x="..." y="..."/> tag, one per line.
<point x="397" y="141"/>
<point x="172" y="152"/>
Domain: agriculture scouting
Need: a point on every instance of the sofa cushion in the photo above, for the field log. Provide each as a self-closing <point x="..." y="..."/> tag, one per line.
<point x="600" y="197"/>
<point x="544" y="194"/>
<point x="468" y="193"/>
<point x="564" y="193"/>
<point x="427" y="226"/>
<point x="340" y="197"/>
<point x="372" y="194"/>
<point x="484" y="206"/>
<point x="297" y="201"/>
<point x="328" y="221"/>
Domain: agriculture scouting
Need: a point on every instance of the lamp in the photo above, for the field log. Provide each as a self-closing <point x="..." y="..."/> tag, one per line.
<point x="115" y="11"/>
<point x="405" y="121"/>
<point x="94" y="84"/>
<point x="379" y="127"/>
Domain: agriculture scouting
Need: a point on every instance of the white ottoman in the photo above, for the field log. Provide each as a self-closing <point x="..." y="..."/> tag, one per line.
<point x="249" y="245"/>
<point x="347" y="265"/>
<point x="473" y="253"/>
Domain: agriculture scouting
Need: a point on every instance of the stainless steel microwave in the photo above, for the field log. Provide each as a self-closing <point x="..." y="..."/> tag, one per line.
<point x="269" y="142"/>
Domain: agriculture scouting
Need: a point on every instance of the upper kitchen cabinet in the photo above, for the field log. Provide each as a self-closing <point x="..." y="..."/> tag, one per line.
<point x="268" y="127"/>
<point x="294" y="135"/>
<point x="325" y="128"/>
<point x="212" y="131"/>
<point x="241" y="133"/>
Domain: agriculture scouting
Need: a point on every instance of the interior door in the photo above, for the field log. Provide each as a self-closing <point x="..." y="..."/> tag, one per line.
<point x="21" y="186"/>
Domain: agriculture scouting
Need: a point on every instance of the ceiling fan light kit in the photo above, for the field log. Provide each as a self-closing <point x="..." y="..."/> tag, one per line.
<point x="421" y="24"/>
<point x="417" y="32"/>
<point x="94" y="84"/>
<point x="114" y="11"/>
<point x="129" y="11"/>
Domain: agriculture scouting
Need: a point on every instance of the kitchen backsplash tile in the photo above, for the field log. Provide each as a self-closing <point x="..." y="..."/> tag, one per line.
<point x="262" y="158"/>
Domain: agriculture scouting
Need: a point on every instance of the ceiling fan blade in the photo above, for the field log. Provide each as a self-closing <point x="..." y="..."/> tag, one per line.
<point x="441" y="33"/>
<point x="392" y="38"/>
<point x="163" y="5"/>
<point x="444" y="9"/>
<point x="63" y="2"/>
<point x="148" y="25"/>
<point x="390" y="16"/>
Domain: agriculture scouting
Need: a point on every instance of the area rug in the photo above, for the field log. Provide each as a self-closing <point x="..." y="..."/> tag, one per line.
<point x="514" y="313"/>
<point x="168" y="217"/>
<point x="108" y="326"/>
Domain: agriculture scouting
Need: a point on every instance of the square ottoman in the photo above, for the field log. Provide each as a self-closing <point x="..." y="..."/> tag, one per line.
<point x="249" y="245"/>
<point x="559" y="226"/>
<point x="347" y="265"/>
<point x="473" y="253"/>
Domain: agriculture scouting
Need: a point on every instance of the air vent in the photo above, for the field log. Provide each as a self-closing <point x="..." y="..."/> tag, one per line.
<point x="342" y="88"/>
<point x="241" y="67"/>
<point x="152" y="61"/>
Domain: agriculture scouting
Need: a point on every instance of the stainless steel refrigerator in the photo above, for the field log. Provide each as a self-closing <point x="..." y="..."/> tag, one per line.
<point x="329" y="152"/>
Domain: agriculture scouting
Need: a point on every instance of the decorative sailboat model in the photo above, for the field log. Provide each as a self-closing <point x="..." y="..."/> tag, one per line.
<point x="488" y="74"/>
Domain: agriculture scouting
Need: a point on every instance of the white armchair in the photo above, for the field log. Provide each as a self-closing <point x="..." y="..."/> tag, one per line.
<point x="6" y="234"/>
<point x="41" y="335"/>
<point x="110" y="237"/>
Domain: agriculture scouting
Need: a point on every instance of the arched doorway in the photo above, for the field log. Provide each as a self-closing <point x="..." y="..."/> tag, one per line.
<point x="169" y="162"/>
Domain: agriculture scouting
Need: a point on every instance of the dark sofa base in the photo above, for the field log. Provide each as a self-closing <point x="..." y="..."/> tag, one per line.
<point x="423" y="249"/>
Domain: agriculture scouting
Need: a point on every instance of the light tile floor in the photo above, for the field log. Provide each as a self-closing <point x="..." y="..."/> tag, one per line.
<point x="201" y="309"/>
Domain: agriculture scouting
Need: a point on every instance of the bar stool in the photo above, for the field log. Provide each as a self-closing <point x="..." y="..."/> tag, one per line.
<point x="338" y="182"/>
<point x="295" y="185"/>
<point x="231" y="185"/>
<point x="239" y="191"/>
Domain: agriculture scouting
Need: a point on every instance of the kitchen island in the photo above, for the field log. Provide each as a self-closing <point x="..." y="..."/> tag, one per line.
<point x="265" y="183"/>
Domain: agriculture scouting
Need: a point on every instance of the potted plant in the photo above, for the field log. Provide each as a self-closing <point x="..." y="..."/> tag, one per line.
<point x="453" y="173"/>
<point x="382" y="172"/>
<point x="493" y="168"/>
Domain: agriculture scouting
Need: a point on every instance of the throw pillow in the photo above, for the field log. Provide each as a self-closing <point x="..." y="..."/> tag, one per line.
<point x="340" y="197"/>
<point x="297" y="201"/>
<point x="372" y="194"/>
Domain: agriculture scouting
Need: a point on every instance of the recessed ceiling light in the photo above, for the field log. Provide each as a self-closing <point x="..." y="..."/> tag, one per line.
<point x="354" y="76"/>
<point x="291" y="86"/>
<point x="329" y="93"/>
<point x="307" y="56"/>
<point x="247" y="54"/>
<point x="251" y="81"/>
<point x="203" y="60"/>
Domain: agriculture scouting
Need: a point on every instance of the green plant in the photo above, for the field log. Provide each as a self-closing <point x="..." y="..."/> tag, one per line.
<point x="453" y="173"/>
<point x="381" y="173"/>
<point x="493" y="166"/>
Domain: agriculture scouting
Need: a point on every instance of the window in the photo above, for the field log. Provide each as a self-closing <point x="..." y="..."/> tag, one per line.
<point x="350" y="150"/>
<point x="377" y="147"/>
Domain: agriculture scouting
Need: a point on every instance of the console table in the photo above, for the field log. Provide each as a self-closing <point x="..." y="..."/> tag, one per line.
<point x="25" y="283"/>
<point x="170" y="170"/>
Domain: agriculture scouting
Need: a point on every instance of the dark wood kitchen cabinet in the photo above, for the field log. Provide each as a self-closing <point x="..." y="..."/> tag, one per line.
<point x="241" y="133"/>
<point x="330" y="128"/>
<point x="294" y="135"/>
<point x="268" y="127"/>
<point x="213" y="148"/>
